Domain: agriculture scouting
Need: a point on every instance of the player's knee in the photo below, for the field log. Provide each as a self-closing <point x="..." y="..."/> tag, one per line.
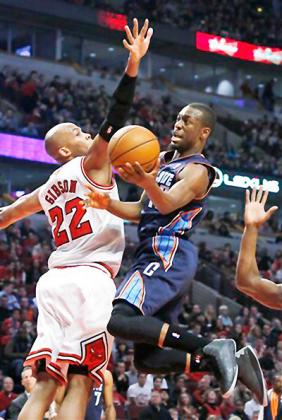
<point x="118" y="324"/>
<point x="79" y="383"/>
<point x="112" y="326"/>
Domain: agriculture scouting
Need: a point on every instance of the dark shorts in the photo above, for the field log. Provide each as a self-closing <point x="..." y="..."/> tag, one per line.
<point x="160" y="276"/>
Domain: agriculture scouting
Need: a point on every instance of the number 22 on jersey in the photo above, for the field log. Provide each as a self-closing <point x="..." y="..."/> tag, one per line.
<point x="76" y="227"/>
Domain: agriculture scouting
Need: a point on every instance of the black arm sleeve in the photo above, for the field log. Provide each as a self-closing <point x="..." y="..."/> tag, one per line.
<point x="119" y="108"/>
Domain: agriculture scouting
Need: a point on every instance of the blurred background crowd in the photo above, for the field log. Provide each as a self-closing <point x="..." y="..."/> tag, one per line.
<point x="24" y="251"/>
<point x="39" y="104"/>
<point x="236" y="18"/>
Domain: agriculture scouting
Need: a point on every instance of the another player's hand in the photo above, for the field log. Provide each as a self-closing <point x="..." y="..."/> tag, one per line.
<point x="137" y="43"/>
<point x="96" y="200"/>
<point x="135" y="174"/>
<point x="255" y="214"/>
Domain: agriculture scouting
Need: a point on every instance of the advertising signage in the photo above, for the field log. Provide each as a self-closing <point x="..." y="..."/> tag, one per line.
<point x="113" y="21"/>
<point x="238" y="49"/>
<point x="26" y="148"/>
<point x="239" y="180"/>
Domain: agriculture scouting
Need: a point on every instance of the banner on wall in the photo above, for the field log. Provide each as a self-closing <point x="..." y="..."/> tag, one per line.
<point x="238" y="49"/>
<point x="239" y="180"/>
<point x="26" y="148"/>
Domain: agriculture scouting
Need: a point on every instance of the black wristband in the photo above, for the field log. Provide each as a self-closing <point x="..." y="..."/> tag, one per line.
<point x="107" y="130"/>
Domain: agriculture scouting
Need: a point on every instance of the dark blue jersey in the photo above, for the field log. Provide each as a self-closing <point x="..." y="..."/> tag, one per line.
<point x="95" y="405"/>
<point x="182" y="221"/>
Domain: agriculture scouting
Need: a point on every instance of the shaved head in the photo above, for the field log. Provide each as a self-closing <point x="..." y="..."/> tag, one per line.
<point x="65" y="141"/>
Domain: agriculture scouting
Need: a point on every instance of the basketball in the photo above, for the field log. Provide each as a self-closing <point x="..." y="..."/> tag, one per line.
<point x="134" y="144"/>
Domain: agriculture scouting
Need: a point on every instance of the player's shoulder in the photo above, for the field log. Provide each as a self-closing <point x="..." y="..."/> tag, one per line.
<point x="72" y="167"/>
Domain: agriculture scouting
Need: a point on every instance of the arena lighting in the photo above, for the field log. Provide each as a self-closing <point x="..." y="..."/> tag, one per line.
<point x="238" y="49"/>
<point x="113" y="21"/>
<point x="26" y="148"/>
<point x="244" y="181"/>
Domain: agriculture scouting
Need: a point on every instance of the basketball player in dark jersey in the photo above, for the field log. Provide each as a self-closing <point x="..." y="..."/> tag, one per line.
<point x="102" y="397"/>
<point x="149" y="299"/>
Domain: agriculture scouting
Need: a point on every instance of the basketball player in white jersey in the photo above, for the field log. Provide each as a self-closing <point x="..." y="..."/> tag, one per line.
<point x="75" y="296"/>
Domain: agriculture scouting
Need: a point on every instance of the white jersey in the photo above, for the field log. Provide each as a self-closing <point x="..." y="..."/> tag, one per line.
<point x="82" y="237"/>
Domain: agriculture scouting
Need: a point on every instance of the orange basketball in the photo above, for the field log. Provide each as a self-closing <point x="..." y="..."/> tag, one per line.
<point x="134" y="144"/>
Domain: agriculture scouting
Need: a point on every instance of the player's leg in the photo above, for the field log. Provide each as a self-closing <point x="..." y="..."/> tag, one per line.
<point x="150" y="359"/>
<point x="76" y="399"/>
<point x="87" y="345"/>
<point x="40" y="399"/>
<point x="154" y="284"/>
<point x="151" y="286"/>
<point x="218" y="355"/>
<point x="59" y="397"/>
<point x="127" y="322"/>
<point x="45" y="348"/>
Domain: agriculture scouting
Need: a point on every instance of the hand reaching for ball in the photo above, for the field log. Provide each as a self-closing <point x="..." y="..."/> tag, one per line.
<point x="95" y="199"/>
<point x="135" y="174"/>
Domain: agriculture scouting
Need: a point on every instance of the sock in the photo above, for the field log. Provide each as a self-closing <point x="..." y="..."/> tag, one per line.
<point x="177" y="338"/>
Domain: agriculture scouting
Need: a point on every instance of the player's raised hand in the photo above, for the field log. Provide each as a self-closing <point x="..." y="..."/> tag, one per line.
<point x="95" y="199"/>
<point x="255" y="214"/>
<point x="135" y="174"/>
<point x="137" y="43"/>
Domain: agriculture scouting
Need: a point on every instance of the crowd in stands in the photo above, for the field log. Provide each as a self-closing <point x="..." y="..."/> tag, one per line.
<point x="24" y="251"/>
<point x="39" y="104"/>
<point x="248" y="21"/>
<point x="227" y="224"/>
<point x="259" y="150"/>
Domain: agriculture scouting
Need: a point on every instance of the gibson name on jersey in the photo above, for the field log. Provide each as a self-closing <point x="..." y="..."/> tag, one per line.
<point x="59" y="188"/>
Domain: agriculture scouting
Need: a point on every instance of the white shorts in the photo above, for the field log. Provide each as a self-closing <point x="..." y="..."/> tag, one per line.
<point x="74" y="305"/>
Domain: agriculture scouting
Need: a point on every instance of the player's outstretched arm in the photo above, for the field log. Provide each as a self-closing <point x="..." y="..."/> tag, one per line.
<point x="23" y="207"/>
<point x="110" y="412"/>
<point x="137" y="43"/>
<point x="125" y="210"/>
<point x="248" y="279"/>
<point x="193" y="183"/>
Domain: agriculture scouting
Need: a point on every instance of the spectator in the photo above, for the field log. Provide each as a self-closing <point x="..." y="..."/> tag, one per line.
<point x="4" y="310"/>
<point x="211" y="405"/>
<point x="227" y="407"/>
<point x="28" y="381"/>
<point x="17" y="350"/>
<point x="224" y="316"/>
<point x="131" y="372"/>
<point x="121" y="379"/>
<point x="139" y="394"/>
<point x="201" y="390"/>
<point x="184" y="406"/>
<point x="157" y="383"/>
<point x="151" y="379"/>
<point x="155" y="410"/>
<point x="268" y="96"/>
<point x="7" y="291"/>
<point x="252" y="407"/>
<point x="274" y="409"/>
<point x="7" y="395"/>
<point x="239" y="410"/>
<point x="178" y="389"/>
<point x="30" y="130"/>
